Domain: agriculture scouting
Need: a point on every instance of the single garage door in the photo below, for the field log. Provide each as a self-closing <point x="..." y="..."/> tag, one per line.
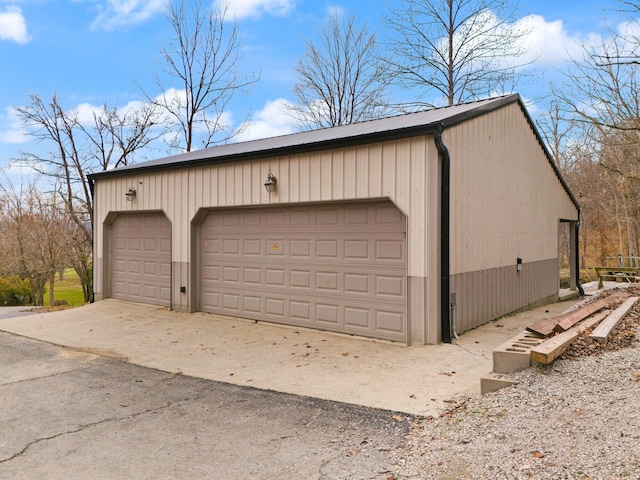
<point x="339" y="267"/>
<point x="141" y="258"/>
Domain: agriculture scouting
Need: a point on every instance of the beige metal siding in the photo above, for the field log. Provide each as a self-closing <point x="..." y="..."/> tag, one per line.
<point x="506" y="202"/>
<point x="339" y="267"/>
<point x="505" y="198"/>
<point x="404" y="171"/>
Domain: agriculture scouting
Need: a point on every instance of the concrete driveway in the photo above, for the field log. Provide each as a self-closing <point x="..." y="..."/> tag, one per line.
<point x="417" y="379"/>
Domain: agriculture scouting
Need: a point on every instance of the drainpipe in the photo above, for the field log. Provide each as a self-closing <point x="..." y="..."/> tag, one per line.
<point x="445" y="185"/>
<point x="93" y="233"/>
<point x="577" y="265"/>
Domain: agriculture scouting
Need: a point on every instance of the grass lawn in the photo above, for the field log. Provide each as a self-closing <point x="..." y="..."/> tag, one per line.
<point x="68" y="289"/>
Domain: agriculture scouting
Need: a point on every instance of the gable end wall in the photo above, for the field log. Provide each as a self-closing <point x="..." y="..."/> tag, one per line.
<point x="506" y="203"/>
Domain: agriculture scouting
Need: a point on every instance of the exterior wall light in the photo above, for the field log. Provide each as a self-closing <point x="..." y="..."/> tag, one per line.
<point x="130" y="194"/>
<point x="271" y="183"/>
<point x="518" y="264"/>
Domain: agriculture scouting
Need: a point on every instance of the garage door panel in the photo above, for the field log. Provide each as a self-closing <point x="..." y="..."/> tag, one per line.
<point x="300" y="310"/>
<point x="231" y="302"/>
<point x="389" y="321"/>
<point x="301" y="217"/>
<point x="356" y="250"/>
<point x="210" y="301"/>
<point x="300" y="279"/>
<point x="275" y="307"/>
<point x="118" y="288"/>
<point x="390" y="286"/>
<point x="252" y="276"/>
<point x="327" y="249"/>
<point x="327" y="216"/>
<point x="326" y="313"/>
<point x="300" y="248"/>
<point x="252" y="247"/>
<point x="357" y="317"/>
<point x="274" y="247"/>
<point x="336" y="267"/>
<point x="275" y="277"/>
<point x="357" y="283"/>
<point x="390" y="250"/>
<point x="140" y="258"/>
<point x="275" y="218"/>
<point x="231" y="247"/>
<point x="231" y="274"/>
<point x="252" y="304"/>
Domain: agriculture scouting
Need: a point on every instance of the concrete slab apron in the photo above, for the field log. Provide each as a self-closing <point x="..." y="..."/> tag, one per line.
<point x="416" y="379"/>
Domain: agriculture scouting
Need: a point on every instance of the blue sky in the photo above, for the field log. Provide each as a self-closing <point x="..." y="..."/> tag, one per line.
<point x="94" y="51"/>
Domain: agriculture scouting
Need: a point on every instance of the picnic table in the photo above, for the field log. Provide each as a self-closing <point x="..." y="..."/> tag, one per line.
<point x="619" y="274"/>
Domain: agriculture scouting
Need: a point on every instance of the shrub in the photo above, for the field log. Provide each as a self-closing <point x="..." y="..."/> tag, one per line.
<point x="14" y="291"/>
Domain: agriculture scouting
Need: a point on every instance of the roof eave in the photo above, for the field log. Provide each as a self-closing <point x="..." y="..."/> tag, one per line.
<point x="343" y="142"/>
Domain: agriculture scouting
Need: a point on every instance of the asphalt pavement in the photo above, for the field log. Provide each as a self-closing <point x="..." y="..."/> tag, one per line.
<point x="417" y="379"/>
<point x="67" y="414"/>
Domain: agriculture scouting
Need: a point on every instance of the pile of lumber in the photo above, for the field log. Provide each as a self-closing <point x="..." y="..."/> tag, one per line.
<point x="563" y="329"/>
<point x="544" y="341"/>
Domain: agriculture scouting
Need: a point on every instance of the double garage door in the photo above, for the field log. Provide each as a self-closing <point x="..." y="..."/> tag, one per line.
<point x="332" y="267"/>
<point x="338" y="267"/>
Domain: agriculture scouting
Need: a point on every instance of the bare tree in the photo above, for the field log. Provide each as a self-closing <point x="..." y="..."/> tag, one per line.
<point x="600" y="105"/>
<point x="630" y="5"/>
<point x="603" y="85"/>
<point x="35" y="238"/>
<point x="557" y="134"/>
<point x="340" y="79"/>
<point x="202" y="57"/>
<point x="75" y="147"/>
<point x="458" y="50"/>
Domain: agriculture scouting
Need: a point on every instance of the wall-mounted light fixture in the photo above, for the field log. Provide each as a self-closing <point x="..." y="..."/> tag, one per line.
<point x="518" y="264"/>
<point x="130" y="194"/>
<point x="271" y="183"/>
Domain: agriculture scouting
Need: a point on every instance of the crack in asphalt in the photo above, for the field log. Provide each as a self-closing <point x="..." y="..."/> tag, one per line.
<point x="88" y="425"/>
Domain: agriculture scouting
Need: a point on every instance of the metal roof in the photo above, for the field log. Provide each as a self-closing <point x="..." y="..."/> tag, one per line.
<point x="374" y="130"/>
<point x="400" y="126"/>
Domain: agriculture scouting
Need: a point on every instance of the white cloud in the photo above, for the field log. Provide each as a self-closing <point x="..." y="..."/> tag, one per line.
<point x="336" y="11"/>
<point x="13" y="132"/>
<point x="547" y="42"/>
<point x="254" y="8"/>
<point x="85" y="113"/>
<point x="13" y="26"/>
<point x="273" y="120"/>
<point x="119" y="13"/>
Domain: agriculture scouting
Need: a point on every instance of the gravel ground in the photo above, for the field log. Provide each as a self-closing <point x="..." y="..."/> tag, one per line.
<point x="578" y="418"/>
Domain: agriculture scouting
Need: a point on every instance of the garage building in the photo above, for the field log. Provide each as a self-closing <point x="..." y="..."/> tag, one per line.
<point x="400" y="229"/>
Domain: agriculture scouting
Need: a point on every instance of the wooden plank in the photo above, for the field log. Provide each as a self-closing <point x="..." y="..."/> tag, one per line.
<point x="570" y="320"/>
<point x="543" y="327"/>
<point x="602" y="331"/>
<point x="551" y="349"/>
<point x="549" y="325"/>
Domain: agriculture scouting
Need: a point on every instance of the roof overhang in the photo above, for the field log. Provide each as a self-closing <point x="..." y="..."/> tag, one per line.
<point x="374" y="131"/>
